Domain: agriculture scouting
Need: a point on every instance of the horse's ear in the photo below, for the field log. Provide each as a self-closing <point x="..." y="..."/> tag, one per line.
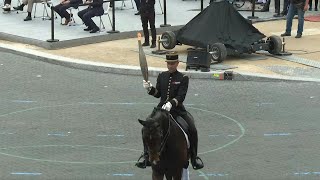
<point x="142" y="122"/>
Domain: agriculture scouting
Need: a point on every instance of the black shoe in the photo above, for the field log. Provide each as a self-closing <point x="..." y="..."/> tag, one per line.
<point x="197" y="163"/>
<point x="284" y="13"/>
<point x="316" y="9"/>
<point x="138" y="13"/>
<point x="87" y="29"/>
<point x="298" y="36"/>
<point x="28" y="18"/>
<point x="20" y="8"/>
<point x="310" y="9"/>
<point x="277" y="15"/>
<point x="146" y="44"/>
<point x="285" y="34"/>
<point x="94" y="30"/>
<point x="153" y="45"/>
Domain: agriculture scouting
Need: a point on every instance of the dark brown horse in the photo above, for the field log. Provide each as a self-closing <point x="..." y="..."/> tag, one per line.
<point x="167" y="146"/>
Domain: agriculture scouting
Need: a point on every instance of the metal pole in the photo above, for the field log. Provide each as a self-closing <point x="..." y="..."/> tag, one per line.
<point x="252" y="10"/>
<point x="52" y="27"/>
<point x="201" y="5"/>
<point x="113" y="19"/>
<point x="165" y="15"/>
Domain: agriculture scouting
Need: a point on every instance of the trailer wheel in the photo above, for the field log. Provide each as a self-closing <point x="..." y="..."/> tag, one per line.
<point x="168" y="40"/>
<point x="218" y="52"/>
<point x="275" y="44"/>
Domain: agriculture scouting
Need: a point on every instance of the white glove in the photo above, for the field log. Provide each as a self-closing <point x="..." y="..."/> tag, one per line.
<point x="167" y="106"/>
<point x="147" y="85"/>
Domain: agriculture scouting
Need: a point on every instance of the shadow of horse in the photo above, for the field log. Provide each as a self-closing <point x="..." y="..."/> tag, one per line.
<point x="166" y="144"/>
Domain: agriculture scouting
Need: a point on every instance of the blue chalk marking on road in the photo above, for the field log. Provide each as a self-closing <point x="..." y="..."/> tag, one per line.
<point x="216" y="135"/>
<point x="110" y="135"/>
<point x="26" y="173"/>
<point x="4" y="133"/>
<point x="57" y="134"/>
<point x="123" y="174"/>
<point x="306" y="173"/>
<point x="278" y="134"/>
<point x="22" y="101"/>
<point x="214" y="174"/>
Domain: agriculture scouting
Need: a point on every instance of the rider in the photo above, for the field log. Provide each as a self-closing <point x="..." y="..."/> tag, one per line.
<point x="171" y="88"/>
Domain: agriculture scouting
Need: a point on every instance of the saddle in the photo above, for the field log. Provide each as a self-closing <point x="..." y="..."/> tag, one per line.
<point x="184" y="127"/>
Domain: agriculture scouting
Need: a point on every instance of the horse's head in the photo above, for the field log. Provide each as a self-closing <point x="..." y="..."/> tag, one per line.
<point x="152" y="133"/>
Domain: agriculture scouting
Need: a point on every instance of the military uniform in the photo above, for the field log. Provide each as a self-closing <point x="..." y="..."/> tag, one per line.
<point x="148" y="15"/>
<point x="173" y="87"/>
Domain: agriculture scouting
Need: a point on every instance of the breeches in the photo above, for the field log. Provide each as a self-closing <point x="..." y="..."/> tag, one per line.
<point x="30" y="3"/>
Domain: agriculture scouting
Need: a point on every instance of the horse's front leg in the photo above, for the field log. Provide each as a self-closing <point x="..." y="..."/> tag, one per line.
<point x="156" y="175"/>
<point x="178" y="175"/>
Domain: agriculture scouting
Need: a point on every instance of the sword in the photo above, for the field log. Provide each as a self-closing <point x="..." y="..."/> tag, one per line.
<point x="142" y="60"/>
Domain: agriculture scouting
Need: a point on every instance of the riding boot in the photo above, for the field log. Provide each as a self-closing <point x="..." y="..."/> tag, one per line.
<point x="145" y="157"/>
<point x="195" y="160"/>
<point x="193" y="137"/>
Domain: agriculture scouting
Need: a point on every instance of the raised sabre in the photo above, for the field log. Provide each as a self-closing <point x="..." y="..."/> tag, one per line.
<point x="142" y="60"/>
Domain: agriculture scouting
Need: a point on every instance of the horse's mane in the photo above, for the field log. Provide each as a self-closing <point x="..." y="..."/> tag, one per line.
<point x="156" y="115"/>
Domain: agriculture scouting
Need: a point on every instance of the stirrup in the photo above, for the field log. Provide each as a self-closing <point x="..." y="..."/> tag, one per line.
<point x="142" y="164"/>
<point x="196" y="165"/>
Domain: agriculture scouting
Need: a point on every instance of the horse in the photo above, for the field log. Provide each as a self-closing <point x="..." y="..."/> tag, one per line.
<point x="167" y="145"/>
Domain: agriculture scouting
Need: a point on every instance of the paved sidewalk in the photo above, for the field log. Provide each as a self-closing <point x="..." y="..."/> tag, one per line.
<point x="121" y="56"/>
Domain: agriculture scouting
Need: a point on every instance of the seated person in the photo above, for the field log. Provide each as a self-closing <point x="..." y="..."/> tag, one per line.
<point x="7" y="5"/>
<point x="61" y="9"/>
<point x="95" y="9"/>
<point x="30" y="6"/>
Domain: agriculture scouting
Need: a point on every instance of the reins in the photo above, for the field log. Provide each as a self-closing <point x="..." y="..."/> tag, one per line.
<point x="164" y="141"/>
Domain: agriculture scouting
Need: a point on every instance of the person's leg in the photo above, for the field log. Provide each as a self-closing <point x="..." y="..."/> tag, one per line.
<point x="81" y="14"/>
<point x="310" y="5"/>
<point x="137" y="4"/>
<point x="285" y="7"/>
<point x="277" y="7"/>
<point x="144" y="21"/>
<point x="65" y="14"/>
<point x="7" y="2"/>
<point x="266" y="6"/>
<point x="20" y="7"/>
<point x="153" y="29"/>
<point x="88" y="18"/>
<point x="193" y="137"/>
<point x="300" y="22"/>
<point x="57" y="9"/>
<point x="316" y="5"/>
<point x="63" y="10"/>
<point x="290" y="15"/>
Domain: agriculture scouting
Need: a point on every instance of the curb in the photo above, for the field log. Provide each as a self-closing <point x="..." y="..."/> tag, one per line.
<point x="135" y="70"/>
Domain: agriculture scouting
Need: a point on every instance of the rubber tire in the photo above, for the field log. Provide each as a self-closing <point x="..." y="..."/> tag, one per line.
<point x="221" y="50"/>
<point x="275" y="44"/>
<point x="172" y="40"/>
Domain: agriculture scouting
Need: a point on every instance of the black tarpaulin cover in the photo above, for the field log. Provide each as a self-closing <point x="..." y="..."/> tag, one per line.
<point x="219" y="22"/>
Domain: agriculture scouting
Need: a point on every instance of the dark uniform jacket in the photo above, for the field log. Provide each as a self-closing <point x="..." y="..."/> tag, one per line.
<point x="171" y="87"/>
<point x="147" y="6"/>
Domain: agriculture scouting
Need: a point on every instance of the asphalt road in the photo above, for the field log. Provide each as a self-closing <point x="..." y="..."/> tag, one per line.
<point x="62" y="123"/>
